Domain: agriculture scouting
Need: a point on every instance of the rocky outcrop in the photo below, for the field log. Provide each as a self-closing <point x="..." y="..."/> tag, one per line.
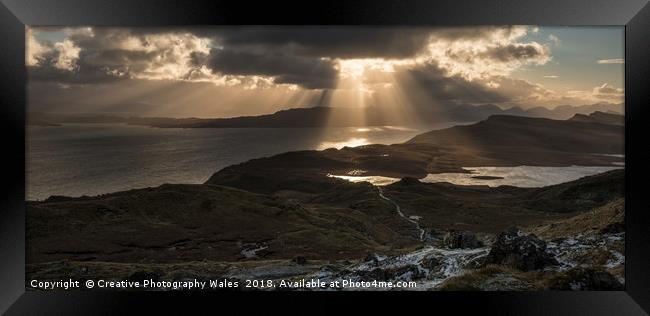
<point x="600" y="118"/>
<point x="585" y="279"/>
<point x="514" y="249"/>
<point x="461" y="239"/>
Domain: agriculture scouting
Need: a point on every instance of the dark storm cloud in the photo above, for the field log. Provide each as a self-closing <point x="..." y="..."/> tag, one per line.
<point x="135" y="60"/>
<point x="305" y="56"/>
<point x="350" y="42"/>
<point x="477" y="32"/>
<point x="309" y="72"/>
<point x="333" y="42"/>
<point x="83" y="72"/>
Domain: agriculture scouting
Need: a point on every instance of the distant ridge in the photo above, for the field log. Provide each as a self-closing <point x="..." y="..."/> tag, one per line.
<point x="507" y="131"/>
<point x="600" y="117"/>
<point x="320" y="116"/>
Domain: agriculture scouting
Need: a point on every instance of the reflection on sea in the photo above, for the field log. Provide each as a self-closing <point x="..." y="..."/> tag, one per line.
<point x="90" y="159"/>
<point x="520" y="176"/>
<point x="375" y="180"/>
<point x="351" y="142"/>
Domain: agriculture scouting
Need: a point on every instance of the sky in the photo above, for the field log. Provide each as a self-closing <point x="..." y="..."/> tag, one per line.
<point x="234" y="71"/>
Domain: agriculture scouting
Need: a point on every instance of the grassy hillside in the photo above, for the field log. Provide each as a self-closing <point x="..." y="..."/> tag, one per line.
<point x="175" y="223"/>
<point x="445" y="206"/>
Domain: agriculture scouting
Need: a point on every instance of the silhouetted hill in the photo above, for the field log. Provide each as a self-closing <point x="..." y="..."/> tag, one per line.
<point x="531" y="134"/>
<point x="564" y="112"/>
<point x="600" y="117"/>
<point x="369" y="116"/>
<point x="297" y="117"/>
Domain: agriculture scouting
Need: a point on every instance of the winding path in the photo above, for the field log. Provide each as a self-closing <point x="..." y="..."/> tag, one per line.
<point x="399" y="212"/>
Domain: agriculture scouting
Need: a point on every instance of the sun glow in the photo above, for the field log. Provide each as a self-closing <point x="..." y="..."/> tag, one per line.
<point x="352" y="142"/>
<point x="355" y="68"/>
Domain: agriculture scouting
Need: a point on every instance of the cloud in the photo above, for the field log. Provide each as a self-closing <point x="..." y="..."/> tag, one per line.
<point x="61" y="55"/>
<point x="331" y="42"/>
<point x="308" y="72"/>
<point x="554" y="39"/>
<point x="68" y="54"/>
<point x="552" y="77"/>
<point x="603" y="93"/>
<point x="106" y="54"/>
<point x="306" y="57"/>
<point x="491" y="51"/>
<point x="35" y="51"/>
<point x="611" y="61"/>
<point x="607" y="91"/>
<point x="452" y="65"/>
<point x="528" y="52"/>
<point x="453" y="89"/>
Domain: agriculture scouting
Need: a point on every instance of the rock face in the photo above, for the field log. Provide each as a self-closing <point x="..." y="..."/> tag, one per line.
<point x="516" y="250"/>
<point x="585" y="279"/>
<point x="461" y="239"/>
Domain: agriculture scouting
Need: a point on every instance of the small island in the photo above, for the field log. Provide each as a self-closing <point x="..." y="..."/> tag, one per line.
<point x="487" y="178"/>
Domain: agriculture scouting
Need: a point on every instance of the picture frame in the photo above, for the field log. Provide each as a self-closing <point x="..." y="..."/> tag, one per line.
<point x="634" y="15"/>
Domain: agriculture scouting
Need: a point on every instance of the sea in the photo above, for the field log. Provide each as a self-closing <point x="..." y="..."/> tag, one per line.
<point x="91" y="159"/>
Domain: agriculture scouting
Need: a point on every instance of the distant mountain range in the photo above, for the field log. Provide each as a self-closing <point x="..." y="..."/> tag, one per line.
<point x="328" y="116"/>
<point x="562" y="112"/>
<point x="600" y="117"/>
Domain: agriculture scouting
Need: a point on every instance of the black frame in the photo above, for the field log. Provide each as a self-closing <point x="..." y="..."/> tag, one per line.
<point x="635" y="15"/>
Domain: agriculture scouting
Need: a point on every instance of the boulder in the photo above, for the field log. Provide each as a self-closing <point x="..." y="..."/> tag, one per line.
<point x="461" y="239"/>
<point x="514" y="249"/>
<point x="430" y="263"/>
